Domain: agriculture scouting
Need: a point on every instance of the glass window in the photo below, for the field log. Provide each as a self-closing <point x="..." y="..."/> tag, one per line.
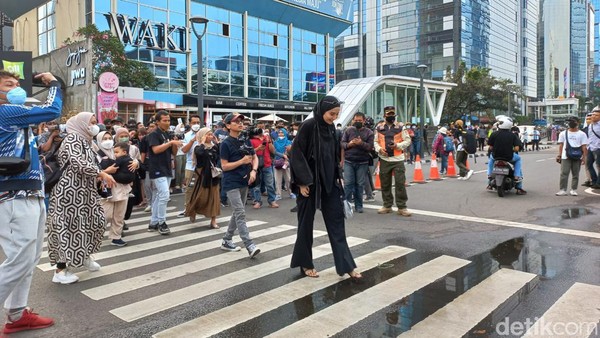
<point x="126" y="8"/>
<point x="268" y="26"/>
<point x="102" y="6"/>
<point x="237" y="78"/>
<point x="160" y="70"/>
<point x="284" y="95"/>
<point x="178" y="86"/>
<point x="46" y="28"/>
<point x="282" y="30"/>
<point x="217" y="45"/>
<point x="197" y="9"/>
<point x="235" y="19"/>
<point x="237" y="47"/>
<point x="237" y="91"/>
<point x="217" y="14"/>
<point x="177" y="6"/>
<point x="252" y="36"/>
<point x="297" y="33"/>
<point x="270" y="94"/>
<point x="177" y="19"/>
<point x="236" y="32"/>
<point x="155" y="3"/>
<point x="252" y="23"/>
<point x="253" y="92"/>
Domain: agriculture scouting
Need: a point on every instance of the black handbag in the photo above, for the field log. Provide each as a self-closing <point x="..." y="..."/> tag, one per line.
<point x="14" y="165"/>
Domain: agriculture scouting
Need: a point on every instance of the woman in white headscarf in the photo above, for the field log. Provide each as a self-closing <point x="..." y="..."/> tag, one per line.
<point x="75" y="217"/>
<point x="205" y="199"/>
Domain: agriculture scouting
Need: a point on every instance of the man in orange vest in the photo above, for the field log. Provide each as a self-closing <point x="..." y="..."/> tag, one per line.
<point x="390" y="142"/>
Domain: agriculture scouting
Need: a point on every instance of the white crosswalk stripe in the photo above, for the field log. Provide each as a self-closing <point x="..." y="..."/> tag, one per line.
<point x="129" y="275"/>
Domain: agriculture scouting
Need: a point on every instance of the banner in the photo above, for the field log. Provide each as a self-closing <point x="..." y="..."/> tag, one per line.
<point x="108" y="106"/>
<point x="20" y="64"/>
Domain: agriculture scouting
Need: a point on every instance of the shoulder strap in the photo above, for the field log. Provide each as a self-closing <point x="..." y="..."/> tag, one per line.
<point x="593" y="131"/>
<point x="26" y="144"/>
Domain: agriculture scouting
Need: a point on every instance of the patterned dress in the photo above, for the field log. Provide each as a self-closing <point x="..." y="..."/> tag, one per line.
<point x="76" y="220"/>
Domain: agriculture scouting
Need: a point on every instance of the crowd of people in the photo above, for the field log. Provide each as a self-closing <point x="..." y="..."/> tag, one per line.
<point x="107" y="169"/>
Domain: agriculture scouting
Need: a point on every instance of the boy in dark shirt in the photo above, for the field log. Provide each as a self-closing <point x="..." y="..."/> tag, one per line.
<point x="123" y="160"/>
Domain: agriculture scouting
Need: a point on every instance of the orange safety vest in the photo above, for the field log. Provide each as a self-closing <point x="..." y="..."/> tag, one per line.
<point x="386" y="135"/>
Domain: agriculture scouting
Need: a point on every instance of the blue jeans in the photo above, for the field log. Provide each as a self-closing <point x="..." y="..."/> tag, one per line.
<point x="354" y="181"/>
<point x="593" y="159"/>
<point x="444" y="164"/>
<point x="518" y="171"/>
<point x="160" y="193"/>
<point x="268" y="180"/>
<point x="237" y="200"/>
<point x="416" y="150"/>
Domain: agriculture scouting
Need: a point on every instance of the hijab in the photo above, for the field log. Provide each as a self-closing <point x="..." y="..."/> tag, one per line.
<point x="120" y="130"/>
<point x="80" y="125"/>
<point x="109" y="152"/>
<point x="326" y="142"/>
<point x="199" y="135"/>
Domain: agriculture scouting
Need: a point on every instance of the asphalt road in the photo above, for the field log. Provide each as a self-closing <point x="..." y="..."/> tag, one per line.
<point x="467" y="263"/>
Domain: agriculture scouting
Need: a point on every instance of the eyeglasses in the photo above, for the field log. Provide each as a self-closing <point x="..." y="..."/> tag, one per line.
<point x="237" y="122"/>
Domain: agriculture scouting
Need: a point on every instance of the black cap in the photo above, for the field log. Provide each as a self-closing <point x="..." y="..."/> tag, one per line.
<point x="389" y="109"/>
<point x="118" y="119"/>
<point x="233" y="117"/>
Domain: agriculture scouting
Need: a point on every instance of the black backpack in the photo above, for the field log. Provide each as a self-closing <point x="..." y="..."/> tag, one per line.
<point x="52" y="170"/>
<point x="469" y="142"/>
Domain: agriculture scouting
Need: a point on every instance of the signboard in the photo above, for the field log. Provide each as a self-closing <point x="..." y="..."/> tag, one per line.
<point x="319" y="79"/>
<point x="20" y="64"/>
<point x="109" y="82"/>
<point x="77" y="74"/>
<point x="108" y="105"/>
<point x="146" y="33"/>
<point x="341" y="9"/>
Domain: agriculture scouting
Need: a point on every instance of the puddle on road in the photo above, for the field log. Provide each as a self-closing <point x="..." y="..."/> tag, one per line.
<point x="571" y="213"/>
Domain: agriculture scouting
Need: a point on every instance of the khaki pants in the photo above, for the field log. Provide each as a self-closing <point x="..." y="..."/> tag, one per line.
<point x="115" y="215"/>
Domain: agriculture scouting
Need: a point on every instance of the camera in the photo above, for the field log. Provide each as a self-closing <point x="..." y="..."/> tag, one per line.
<point x="255" y="132"/>
<point x="389" y="147"/>
<point x="246" y="150"/>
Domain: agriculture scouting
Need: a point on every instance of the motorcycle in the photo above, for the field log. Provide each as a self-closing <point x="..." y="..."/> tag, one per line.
<point x="502" y="178"/>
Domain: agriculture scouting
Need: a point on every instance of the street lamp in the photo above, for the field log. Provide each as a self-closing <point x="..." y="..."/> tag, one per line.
<point x="202" y="23"/>
<point x="422" y="69"/>
<point x="509" y="94"/>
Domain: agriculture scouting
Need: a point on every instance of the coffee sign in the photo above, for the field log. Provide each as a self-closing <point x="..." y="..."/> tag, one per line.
<point x="146" y="33"/>
<point x="78" y="74"/>
<point x="109" y="82"/>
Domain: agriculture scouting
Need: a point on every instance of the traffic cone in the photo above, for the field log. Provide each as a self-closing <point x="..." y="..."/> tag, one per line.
<point x="418" y="175"/>
<point x="434" y="174"/>
<point x="451" y="172"/>
<point x="377" y="180"/>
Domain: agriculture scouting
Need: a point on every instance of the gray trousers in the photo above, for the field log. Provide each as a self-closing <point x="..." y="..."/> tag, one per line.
<point x="22" y="225"/>
<point x="237" y="200"/>
<point x="569" y="166"/>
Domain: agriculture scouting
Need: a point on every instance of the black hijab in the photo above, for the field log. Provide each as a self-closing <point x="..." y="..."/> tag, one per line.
<point x="326" y="143"/>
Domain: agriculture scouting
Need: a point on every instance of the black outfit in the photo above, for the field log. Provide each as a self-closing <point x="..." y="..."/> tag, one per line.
<point x="503" y="142"/>
<point x="123" y="174"/>
<point x="315" y="156"/>
<point x="159" y="165"/>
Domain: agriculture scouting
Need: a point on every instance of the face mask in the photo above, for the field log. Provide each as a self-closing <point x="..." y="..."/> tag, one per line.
<point x="390" y="119"/>
<point x="16" y="95"/>
<point x="281" y="137"/>
<point x="94" y="129"/>
<point x="572" y="124"/>
<point x="124" y="139"/>
<point x="295" y="132"/>
<point x="195" y="127"/>
<point x="358" y="125"/>
<point x="107" y="144"/>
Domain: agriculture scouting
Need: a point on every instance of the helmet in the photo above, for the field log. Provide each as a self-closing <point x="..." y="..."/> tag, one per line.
<point x="505" y="122"/>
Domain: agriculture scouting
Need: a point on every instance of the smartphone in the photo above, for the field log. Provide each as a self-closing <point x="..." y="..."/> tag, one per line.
<point x="179" y="121"/>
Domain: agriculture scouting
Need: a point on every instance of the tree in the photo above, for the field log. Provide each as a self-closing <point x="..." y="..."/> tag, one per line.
<point x="108" y="55"/>
<point x="477" y="92"/>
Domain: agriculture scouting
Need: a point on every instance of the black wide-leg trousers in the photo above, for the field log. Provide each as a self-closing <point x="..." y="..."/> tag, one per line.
<point x="333" y="215"/>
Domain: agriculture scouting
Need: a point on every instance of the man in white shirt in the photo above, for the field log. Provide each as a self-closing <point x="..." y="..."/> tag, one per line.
<point x="189" y="143"/>
<point x="572" y="148"/>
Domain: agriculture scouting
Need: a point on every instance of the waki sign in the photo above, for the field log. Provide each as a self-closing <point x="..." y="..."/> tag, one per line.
<point x="149" y="34"/>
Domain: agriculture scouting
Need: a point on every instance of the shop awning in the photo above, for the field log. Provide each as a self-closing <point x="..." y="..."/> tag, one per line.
<point x="14" y="9"/>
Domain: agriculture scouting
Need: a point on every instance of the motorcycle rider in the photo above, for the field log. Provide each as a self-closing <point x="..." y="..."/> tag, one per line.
<point x="504" y="144"/>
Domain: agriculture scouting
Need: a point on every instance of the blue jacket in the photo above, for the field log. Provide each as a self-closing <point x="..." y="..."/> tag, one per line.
<point x="13" y="118"/>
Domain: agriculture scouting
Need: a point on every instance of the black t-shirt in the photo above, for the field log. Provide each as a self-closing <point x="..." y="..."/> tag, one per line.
<point x="124" y="175"/>
<point x="159" y="165"/>
<point x="231" y="152"/>
<point x="503" y="141"/>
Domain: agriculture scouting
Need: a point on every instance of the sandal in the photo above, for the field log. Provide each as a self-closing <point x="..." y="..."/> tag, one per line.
<point x="312" y="273"/>
<point x="355" y="275"/>
<point x="214" y="226"/>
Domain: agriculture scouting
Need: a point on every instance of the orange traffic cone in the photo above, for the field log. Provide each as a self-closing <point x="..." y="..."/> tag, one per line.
<point x="451" y="172"/>
<point x="434" y="174"/>
<point x="418" y="175"/>
<point x="377" y="180"/>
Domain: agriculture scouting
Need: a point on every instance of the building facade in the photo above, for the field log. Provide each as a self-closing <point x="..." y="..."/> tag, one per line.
<point x="398" y="35"/>
<point x="258" y="56"/>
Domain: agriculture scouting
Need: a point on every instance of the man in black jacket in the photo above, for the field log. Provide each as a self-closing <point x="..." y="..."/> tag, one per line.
<point x="357" y="142"/>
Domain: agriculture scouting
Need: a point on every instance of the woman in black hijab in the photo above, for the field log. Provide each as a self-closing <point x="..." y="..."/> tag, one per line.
<point x="315" y="158"/>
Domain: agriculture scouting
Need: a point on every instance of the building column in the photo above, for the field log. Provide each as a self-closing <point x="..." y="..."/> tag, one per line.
<point x="140" y="113"/>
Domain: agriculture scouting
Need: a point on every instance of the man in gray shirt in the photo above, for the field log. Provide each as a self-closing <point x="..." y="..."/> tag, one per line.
<point x="593" y="157"/>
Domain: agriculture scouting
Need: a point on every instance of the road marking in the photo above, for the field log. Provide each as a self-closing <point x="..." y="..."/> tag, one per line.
<point x="350" y="311"/>
<point x="155" y="277"/>
<point x="228" y="317"/>
<point x="480" y="171"/>
<point x="169" y="300"/>
<point x="145" y="235"/>
<point x="142" y="212"/>
<point x="462" y="314"/>
<point x="563" y="231"/>
<point x="576" y="313"/>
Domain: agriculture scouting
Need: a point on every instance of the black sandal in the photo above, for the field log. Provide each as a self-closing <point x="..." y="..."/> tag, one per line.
<point x="305" y="272"/>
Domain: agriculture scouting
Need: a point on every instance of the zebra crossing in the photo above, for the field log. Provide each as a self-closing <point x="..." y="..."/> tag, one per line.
<point x="192" y="249"/>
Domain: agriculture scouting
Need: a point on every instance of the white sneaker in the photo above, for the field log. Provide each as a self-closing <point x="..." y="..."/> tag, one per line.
<point x="561" y="193"/>
<point x="460" y="178"/>
<point x="573" y="193"/>
<point x="148" y="209"/>
<point x="91" y="264"/>
<point x="469" y="174"/>
<point x="64" y="277"/>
